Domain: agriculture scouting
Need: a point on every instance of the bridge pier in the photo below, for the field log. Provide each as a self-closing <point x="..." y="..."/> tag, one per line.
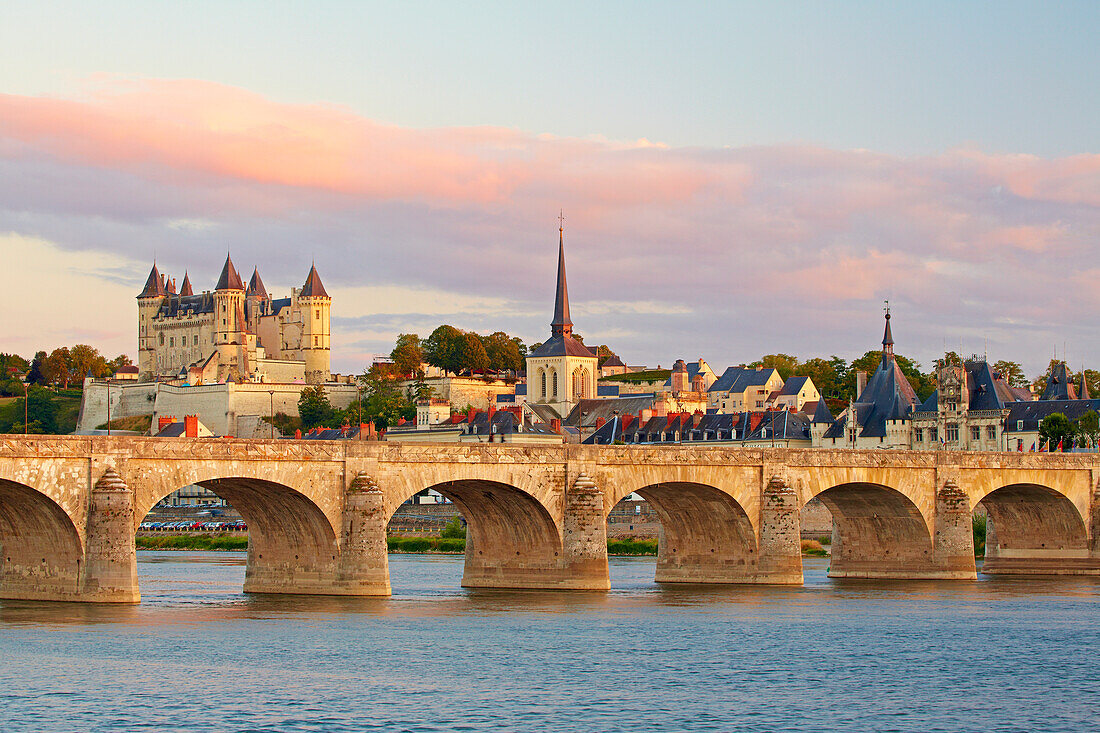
<point x="953" y="543"/>
<point x="363" y="567"/>
<point x="780" y="535"/>
<point x="110" y="569"/>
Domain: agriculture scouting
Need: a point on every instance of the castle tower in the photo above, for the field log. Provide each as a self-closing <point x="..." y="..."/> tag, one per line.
<point x="257" y="300"/>
<point x="149" y="302"/>
<point x="563" y="370"/>
<point x="228" y="306"/>
<point x="315" y="303"/>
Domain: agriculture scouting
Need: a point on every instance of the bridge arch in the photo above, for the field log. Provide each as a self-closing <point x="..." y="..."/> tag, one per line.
<point x="292" y="545"/>
<point x="706" y="534"/>
<point x="510" y="534"/>
<point x="40" y="547"/>
<point x="1033" y="529"/>
<point x="878" y="531"/>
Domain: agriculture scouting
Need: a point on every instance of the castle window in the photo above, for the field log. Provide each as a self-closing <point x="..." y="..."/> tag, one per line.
<point x="196" y="340"/>
<point x="317" y="314"/>
<point x="933" y="435"/>
<point x="991" y="432"/>
<point x="975" y="432"/>
<point x="951" y="433"/>
<point x="160" y="339"/>
<point x="918" y="435"/>
<point x="172" y="341"/>
<point x="1019" y="424"/>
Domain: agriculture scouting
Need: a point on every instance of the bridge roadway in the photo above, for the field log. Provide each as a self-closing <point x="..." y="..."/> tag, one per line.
<point x="317" y="511"/>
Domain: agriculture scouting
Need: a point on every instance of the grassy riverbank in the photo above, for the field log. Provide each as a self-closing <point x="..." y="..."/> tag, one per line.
<point x="192" y="542"/>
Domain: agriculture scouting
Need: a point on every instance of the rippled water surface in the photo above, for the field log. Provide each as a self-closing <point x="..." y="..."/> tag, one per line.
<point x="197" y="654"/>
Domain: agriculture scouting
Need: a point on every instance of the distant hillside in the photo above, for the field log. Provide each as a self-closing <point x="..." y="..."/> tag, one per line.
<point x="65" y="404"/>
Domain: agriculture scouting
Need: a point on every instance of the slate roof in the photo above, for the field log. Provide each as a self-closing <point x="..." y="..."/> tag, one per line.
<point x="987" y="390"/>
<point x="313" y="287"/>
<point x="793" y="385"/>
<point x="821" y="413"/>
<point x="229" y="279"/>
<point x="1059" y="386"/>
<point x="607" y="390"/>
<point x="712" y="427"/>
<point x="279" y="304"/>
<point x="605" y="408"/>
<point x="153" y="284"/>
<point x="173" y="430"/>
<point x="738" y="379"/>
<point x="1033" y="412"/>
<point x="177" y="305"/>
<point x="614" y="361"/>
<point x="186" y="287"/>
<point x="561" y="324"/>
<point x="562" y="346"/>
<point x="887" y="396"/>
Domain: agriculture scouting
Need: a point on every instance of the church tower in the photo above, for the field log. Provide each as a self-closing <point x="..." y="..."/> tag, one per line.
<point x="315" y="303"/>
<point x="561" y="371"/>
<point x="149" y="302"/>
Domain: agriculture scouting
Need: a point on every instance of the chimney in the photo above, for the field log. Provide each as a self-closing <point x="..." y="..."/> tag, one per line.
<point x="660" y="408"/>
<point x="759" y="367"/>
<point x="644" y="416"/>
<point x="696" y="418"/>
<point x="861" y="382"/>
<point x="555" y="425"/>
<point x="492" y="411"/>
<point x="165" y="421"/>
<point x="191" y="426"/>
<point x="755" y="419"/>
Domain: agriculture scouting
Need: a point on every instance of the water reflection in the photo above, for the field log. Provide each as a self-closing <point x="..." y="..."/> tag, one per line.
<point x="198" y="654"/>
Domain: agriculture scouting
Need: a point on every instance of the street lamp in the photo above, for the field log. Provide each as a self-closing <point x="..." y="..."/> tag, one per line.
<point x="26" y="401"/>
<point x="271" y="410"/>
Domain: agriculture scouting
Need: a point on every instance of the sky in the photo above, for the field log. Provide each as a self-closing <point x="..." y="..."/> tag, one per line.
<point x="737" y="179"/>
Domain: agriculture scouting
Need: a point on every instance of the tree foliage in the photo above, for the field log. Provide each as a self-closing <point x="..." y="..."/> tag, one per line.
<point x="384" y="403"/>
<point x="1011" y="372"/>
<point x="1056" y="428"/>
<point x="315" y="410"/>
<point x="408" y="354"/>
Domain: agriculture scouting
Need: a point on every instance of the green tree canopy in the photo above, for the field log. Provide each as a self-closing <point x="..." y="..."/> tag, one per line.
<point x="1057" y="428"/>
<point x="503" y="352"/>
<point x="384" y="403"/>
<point x="407" y="354"/>
<point x="470" y="353"/>
<point x="441" y="348"/>
<point x="315" y="409"/>
<point x="785" y="364"/>
<point x="1011" y="372"/>
<point x="1088" y="429"/>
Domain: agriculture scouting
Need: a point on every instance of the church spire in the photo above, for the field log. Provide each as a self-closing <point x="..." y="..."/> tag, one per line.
<point x="887" y="337"/>
<point x="561" y="325"/>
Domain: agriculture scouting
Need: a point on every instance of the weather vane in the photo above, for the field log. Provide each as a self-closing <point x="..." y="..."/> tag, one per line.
<point x="886" y="307"/>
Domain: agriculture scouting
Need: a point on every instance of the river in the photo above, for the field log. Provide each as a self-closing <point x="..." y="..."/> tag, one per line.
<point x="198" y="655"/>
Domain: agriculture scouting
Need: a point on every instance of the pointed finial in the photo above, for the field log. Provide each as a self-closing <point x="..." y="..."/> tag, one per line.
<point x="561" y="221"/>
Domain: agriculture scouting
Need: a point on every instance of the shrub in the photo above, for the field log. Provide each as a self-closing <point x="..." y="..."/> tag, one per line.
<point x="455" y="529"/>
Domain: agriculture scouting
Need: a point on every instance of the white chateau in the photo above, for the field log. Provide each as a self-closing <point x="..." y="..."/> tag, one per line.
<point x="562" y="371"/>
<point x="233" y="333"/>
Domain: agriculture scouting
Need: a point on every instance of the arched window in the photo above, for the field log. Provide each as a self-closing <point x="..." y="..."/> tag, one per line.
<point x="554" y="377"/>
<point x="542" y="384"/>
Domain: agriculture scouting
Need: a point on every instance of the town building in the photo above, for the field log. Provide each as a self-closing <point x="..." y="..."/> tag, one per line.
<point x="880" y="416"/>
<point x="743" y="388"/>
<point x="967" y="411"/>
<point x="562" y="370"/>
<point x="755" y="429"/>
<point x="233" y="332"/>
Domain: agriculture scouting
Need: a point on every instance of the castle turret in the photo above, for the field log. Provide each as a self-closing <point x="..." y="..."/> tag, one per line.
<point x="257" y="300"/>
<point x="149" y="302"/>
<point x="315" y="303"/>
<point x="228" y="305"/>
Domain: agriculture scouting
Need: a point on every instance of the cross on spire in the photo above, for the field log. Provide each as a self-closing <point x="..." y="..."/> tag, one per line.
<point x="561" y="221"/>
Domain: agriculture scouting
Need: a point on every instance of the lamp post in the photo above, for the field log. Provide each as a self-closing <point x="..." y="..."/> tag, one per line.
<point x="26" y="401"/>
<point x="108" y="405"/>
<point x="271" y="410"/>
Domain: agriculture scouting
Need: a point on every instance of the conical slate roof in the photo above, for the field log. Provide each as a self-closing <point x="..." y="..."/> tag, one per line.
<point x="822" y="414"/>
<point x="313" y="287"/>
<point x="561" y="325"/>
<point x="185" y="289"/>
<point x="1059" y="386"/>
<point x="229" y="279"/>
<point x="256" y="285"/>
<point x="153" y="284"/>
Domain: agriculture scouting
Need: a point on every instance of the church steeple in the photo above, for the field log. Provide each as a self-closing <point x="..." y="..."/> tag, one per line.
<point x="561" y="325"/>
<point x="887" y="337"/>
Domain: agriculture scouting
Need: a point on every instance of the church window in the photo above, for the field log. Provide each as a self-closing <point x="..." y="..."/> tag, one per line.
<point x="542" y="384"/>
<point x="554" y="385"/>
<point x="991" y="432"/>
<point x="951" y="433"/>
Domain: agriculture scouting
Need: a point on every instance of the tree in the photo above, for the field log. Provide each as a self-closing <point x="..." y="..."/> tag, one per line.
<point x="503" y="352"/>
<point x="118" y="362"/>
<point x="37" y="373"/>
<point x="12" y="363"/>
<point x="384" y="403"/>
<point x="470" y="353"/>
<point x="1092" y="379"/>
<point x="824" y="374"/>
<point x="84" y="360"/>
<point x="785" y="364"/>
<point x="315" y="410"/>
<point x="950" y="358"/>
<point x="41" y="412"/>
<point x="455" y="529"/>
<point x="59" y="367"/>
<point x="1088" y="429"/>
<point x="408" y="354"/>
<point x="1011" y="372"/>
<point x="440" y="348"/>
<point x="1056" y="428"/>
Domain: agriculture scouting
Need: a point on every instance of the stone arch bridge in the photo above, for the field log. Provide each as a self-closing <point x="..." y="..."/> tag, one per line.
<point x="317" y="511"/>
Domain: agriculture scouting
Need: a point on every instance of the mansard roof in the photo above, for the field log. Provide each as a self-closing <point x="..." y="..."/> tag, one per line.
<point x="256" y="285"/>
<point x="229" y="279"/>
<point x="154" y="285"/>
<point x="313" y="287"/>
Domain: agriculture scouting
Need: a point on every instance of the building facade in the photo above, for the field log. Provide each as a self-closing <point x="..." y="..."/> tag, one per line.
<point x="234" y="332"/>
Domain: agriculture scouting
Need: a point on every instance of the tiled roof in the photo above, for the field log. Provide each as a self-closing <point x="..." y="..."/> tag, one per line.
<point x="561" y="346"/>
<point x="186" y="289"/>
<point x="153" y="284"/>
<point x="614" y="361"/>
<point x="176" y="305"/>
<point x="256" y="285"/>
